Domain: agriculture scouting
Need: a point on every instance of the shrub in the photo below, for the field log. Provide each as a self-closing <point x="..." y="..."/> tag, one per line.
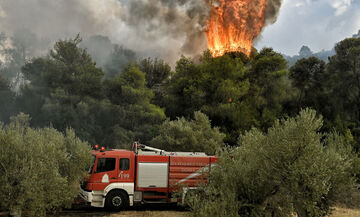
<point x="193" y="135"/>
<point x="39" y="168"/>
<point x="291" y="169"/>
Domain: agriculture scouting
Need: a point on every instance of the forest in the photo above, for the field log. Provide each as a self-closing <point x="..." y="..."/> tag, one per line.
<point x="294" y="129"/>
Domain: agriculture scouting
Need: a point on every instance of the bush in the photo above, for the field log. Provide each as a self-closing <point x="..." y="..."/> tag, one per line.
<point x="40" y="169"/>
<point x="291" y="169"/>
<point x="194" y="135"/>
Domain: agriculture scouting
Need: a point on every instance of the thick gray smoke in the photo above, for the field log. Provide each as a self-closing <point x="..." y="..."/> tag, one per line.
<point x="272" y="10"/>
<point x="157" y="28"/>
<point x="184" y="20"/>
<point x="154" y="28"/>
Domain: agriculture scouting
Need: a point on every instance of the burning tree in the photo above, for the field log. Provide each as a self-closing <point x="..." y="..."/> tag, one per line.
<point x="234" y="24"/>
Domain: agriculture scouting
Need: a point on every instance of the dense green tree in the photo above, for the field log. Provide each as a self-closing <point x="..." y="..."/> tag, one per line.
<point x="66" y="89"/>
<point x="7" y="98"/>
<point x="269" y="87"/>
<point x="216" y="87"/>
<point x="60" y="86"/>
<point x="157" y="74"/>
<point x="292" y="168"/>
<point x="184" y="95"/>
<point x="195" y="135"/>
<point x="234" y="91"/>
<point x="308" y="76"/>
<point x="68" y="68"/>
<point x="134" y="117"/>
<point x="343" y="87"/>
<point x="40" y="169"/>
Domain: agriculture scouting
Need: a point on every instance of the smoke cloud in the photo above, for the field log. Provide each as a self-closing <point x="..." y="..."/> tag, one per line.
<point x="155" y="28"/>
<point x="183" y="20"/>
<point x="272" y="10"/>
<point x="158" y="28"/>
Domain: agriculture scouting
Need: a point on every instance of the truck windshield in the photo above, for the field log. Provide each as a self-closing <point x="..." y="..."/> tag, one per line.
<point x="92" y="164"/>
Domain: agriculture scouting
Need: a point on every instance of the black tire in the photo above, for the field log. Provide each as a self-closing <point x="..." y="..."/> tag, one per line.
<point x="117" y="200"/>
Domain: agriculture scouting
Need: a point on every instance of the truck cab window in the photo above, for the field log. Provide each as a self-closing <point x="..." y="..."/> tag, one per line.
<point x="92" y="164"/>
<point x="124" y="164"/>
<point x="105" y="164"/>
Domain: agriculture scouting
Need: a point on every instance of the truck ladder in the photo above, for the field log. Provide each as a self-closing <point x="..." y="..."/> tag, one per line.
<point x="141" y="149"/>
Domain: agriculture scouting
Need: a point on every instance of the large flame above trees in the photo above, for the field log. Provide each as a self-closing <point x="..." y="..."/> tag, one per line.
<point x="234" y="24"/>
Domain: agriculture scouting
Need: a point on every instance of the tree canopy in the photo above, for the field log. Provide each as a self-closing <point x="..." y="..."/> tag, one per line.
<point x="66" y="89"/>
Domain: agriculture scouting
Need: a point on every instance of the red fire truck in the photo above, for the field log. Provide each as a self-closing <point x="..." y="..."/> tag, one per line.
<point x="120" y="178"/>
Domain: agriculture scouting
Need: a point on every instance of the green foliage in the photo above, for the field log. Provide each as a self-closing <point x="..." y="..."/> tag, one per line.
<point x="195" y="135"/>
<point x="269" y="88"/>
<point x="332" y="89"/>
<point x="157" y="74"/>
<point x="289" y="169"/>
<point x="133" y="115"/>
<point x="156" y="71"/>
<point x="344" y="86"/>
<point x="234" y="91"/>
<point x="6" y="100"/>
<point x="66" y="89"/>
<point x="308" y="77"/>
<point x="62" y="89"/>
<point x="40" y="168"/>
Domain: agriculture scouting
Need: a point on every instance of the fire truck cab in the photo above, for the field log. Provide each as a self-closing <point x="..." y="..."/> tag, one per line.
<point x="119" y="178"/>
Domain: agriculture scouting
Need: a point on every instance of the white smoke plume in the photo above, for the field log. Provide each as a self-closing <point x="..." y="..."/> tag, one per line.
<point x="5" y="45"/>
<point x="163" y="28"/>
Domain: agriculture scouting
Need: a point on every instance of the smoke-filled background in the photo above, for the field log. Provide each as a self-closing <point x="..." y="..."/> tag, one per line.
<point x="156" y="28"/>
<point x="167" y="28"/>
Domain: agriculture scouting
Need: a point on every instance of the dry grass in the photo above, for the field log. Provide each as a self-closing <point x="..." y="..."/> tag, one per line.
<point x="345" y="212"/>
<point x="349" y="207"/>
<point x="151" y="214"/>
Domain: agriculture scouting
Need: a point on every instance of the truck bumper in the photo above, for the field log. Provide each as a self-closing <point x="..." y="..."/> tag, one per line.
<point x="95" y="198"/>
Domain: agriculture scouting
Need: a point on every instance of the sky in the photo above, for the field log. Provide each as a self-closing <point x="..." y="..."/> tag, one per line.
<point x="318" y="24"/>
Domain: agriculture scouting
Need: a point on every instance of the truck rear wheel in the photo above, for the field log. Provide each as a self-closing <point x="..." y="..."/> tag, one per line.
<point x="117" y="200"/>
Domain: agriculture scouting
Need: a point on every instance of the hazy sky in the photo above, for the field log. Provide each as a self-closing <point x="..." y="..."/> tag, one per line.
<point x="318" y="24"/>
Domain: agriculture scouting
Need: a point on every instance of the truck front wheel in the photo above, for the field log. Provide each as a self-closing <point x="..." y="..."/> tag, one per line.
<point x="117" y="200"/>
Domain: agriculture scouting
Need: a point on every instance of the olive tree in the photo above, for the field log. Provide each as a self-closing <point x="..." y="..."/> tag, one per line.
<point x="189" y="135"/>
<point x="39" y="168"/>
<point x="290" y="169"/>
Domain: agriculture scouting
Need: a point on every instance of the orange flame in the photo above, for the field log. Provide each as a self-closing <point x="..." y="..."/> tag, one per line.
<point x="234" y="24"/>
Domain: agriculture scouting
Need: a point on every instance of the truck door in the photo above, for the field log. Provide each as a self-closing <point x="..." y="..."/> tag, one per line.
<point x="105" y="173"/>
<point x="126" y="169"/>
